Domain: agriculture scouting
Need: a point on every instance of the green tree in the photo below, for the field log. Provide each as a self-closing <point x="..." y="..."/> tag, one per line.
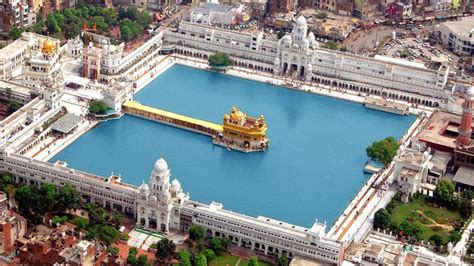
<point x="118" y="217"/>
<point x="132" y="256"/>
<point x="382" y="219"/>
<point x="142" y="260"/>
<point x="97" y="107"/>
<point x="253" y="261"/>
<point x="8" y="91"/>
<point x="201" y="260"/>
<point x="52" y="24"/>
<point x="28" y="199"/>
<point x="444" y="191"/>
<point x="220" y="60"/>
<point x="126" y="33"/>
<point x="454" y="236"/>
<point x="108" y="234"/>
<point x="15" y="33"/>
<point x="165" y="250"/>
<point x="80" y="223"/>
<point x="113" y="251"/>
<point x="196" y="233"/>
<point x="69" y="198"/>
<point x="13" y="106"/>
<point x="184" y="258"/>
<point x="98" y="216"/>
<point x="466" y="209"/>
<point x="92" y="233"/>
<point x="322" y="15"/>
<point x="436" y="239"/>
<point x="283" y="260"/>
<point x="209" y="254"/>
<point x="384" y="150"/>
<point x="332" y="45"/>
<point x="280" y="34"/>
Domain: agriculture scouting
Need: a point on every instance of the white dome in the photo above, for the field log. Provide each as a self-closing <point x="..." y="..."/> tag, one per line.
<point x="161" y="166"/>
<point x="309" y="67"/>
<point x="300" y="21"/>
<point x="311" y="37"/>
<point x="305" y="43"/>
<point x="470" y="92"/>
<point x="112" y="48"/>
<point x="153" y="198"/>
<point x="286" y="39"/>
<point x="175" y="185"/>
<point x="144" y="188"/>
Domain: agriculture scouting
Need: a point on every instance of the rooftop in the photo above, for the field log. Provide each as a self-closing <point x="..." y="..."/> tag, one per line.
<point x="461" y="27"/>
<point x="465" y="175"/>
<point x="207" y="8"/>
<point x="401" y="62"/>
<point x="66" y="123"/>
<point x="434" y="132"/>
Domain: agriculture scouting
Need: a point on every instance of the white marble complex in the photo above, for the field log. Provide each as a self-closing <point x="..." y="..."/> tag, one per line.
<point x="299" y="56"/>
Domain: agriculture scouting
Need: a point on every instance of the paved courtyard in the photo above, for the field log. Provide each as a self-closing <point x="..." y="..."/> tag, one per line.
<point x="142" y="239"/>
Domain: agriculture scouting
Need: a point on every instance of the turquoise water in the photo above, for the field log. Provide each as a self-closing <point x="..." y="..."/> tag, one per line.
<point x="312" y="169"/>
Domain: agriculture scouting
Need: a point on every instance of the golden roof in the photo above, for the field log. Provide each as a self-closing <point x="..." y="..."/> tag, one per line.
<point x="49" y="46"/>
<point x="236" y="114"/>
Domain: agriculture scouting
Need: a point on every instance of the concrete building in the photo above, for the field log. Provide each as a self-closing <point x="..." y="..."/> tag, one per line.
<point x="15" y="13"/>
<point x="210" y="13"/>
<point x="400" y="11"/>
<point x="411" y="170"/>
<point x="298" y="55"/>
<point x="13" y="57"/>
<point x="12" y="226"/>
<point x="458" y="36"/>
<point x="42" y="68"/>
<point x="280" y="6"/>
<point x="108" y="63"/>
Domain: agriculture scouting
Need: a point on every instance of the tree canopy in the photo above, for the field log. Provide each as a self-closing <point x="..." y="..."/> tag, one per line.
<point x="15" y="33"/>
<point x="283" y="260"/>
<point x="196" y="233"/>
<point x="220" y="60"/>
<point x="69" y="23"/>
<point x="201" y="260"/>
<point x="165" y="249"/>
<point x="253" y="261"/>
<point x="97" y="107"/>
<point x="382" y="219"/>
<point x="184" y="258"/>
<point x="444" y="191"/>
<point x="384" y="150"/>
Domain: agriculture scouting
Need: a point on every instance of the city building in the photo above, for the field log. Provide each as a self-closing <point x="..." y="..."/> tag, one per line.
<point x="280" y="6"/>
<point x="411" y="171"/>
<point x="298" y="55"/>
<point x="108" y="63"/>
<point x="458" y="36"/>
<point x="15" y="13"/>
<point x="42" y="68"/>
<point x="13" y="57"/>
<point x="400" y="11"/>
<point x="210" y="13"/>
<point x="12" y="226"/>
<point x="60" y="247"/>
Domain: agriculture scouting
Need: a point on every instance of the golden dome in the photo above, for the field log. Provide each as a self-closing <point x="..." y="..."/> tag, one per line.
<point x="238" y="115"/>
<point x="48" y="46"/>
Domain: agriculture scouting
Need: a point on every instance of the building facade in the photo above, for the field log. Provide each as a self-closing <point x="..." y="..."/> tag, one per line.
<point x="298" y="55"/>
<point x="458" y="36"/>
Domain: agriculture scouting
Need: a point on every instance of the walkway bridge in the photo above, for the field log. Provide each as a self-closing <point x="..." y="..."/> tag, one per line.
<point x="173" y="119"/>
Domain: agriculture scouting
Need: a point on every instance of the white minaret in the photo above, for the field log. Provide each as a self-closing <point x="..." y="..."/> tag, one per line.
<point x="160" y="189"/>
<point x="160" y="182"/>
<point x="300" y="31"/>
